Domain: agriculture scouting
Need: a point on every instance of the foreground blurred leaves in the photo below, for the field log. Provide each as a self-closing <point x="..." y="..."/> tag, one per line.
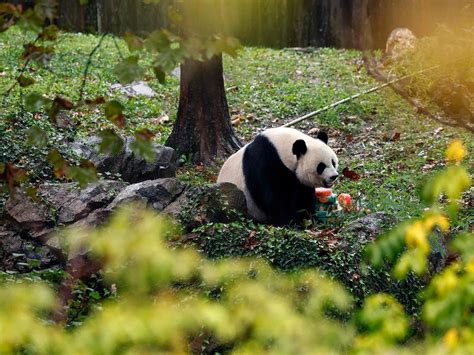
<point x="409" y="243"/>
<point x="171" y="299"/>
<point x="168" y="297"/>
<point x="176" y="300"/>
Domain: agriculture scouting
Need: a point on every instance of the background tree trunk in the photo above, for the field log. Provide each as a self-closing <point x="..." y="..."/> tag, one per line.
<point x="275" y="23"/>
<point x="203" y="128"/>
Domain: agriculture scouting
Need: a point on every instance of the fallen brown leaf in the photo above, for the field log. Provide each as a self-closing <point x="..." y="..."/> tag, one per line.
<point x="438" y="130"/>
<point x="161" y="120"/>
<point x="251" y="241"/>
<point x="313" y="131"/>
<point x="236" y="122"/>
<point x="350" y="174"/>
<point x="395" y="137"/>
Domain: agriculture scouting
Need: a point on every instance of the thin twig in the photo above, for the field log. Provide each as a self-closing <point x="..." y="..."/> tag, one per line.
<point x="118" y="48"/>
<point x="88" y="64"/>
<point x="350" y="98"/>
<point x="22" y="71"/>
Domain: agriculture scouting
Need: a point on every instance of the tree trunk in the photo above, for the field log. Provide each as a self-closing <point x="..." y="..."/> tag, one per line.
<point x="203" y="129"/>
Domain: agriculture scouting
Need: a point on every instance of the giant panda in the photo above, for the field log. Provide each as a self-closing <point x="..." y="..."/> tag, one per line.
<point x="278" y="172"/>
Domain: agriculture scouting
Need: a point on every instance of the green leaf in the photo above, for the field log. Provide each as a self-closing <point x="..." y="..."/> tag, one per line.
<point x="95" y="295"/>
<point x="387" y="248"/>
<point x="169" y="58"/>
<point x="37" y="137"/>
<point x="134" y="43"/>
<point x="110" y="142"/>
<point x="453" y="182"/>
<point x="34" y="263"/>
<point x="160" y="74"/>
<point x="25" y="81"/>
<point x="46" y="10"/>
<point x="60" y="165"/>
<point x="220" y="45"/>
<point x="84" y="174"/>
<point x="158" y="41"/>
<point x="464" y="244"/>
<point x="35" y="102"/>
<point x="30" y="21"/>
<point x="128" y="70"/>
<point x="143" y="146"/>
<point x="50" y="33"/>
<point x="194" y="48"/>
<point x="114" y="112"/>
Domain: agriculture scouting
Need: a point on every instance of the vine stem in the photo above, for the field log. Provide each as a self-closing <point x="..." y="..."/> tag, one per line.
<point x="22" y="71"/>
<point x="118" y="48"/>
<point x="88" y="64"/>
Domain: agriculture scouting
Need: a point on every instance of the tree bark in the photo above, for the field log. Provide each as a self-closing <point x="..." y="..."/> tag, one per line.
<point x="203" y="129"/>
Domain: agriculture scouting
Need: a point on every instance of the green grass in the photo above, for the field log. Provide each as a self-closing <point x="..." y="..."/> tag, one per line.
<point x="64" y="73"/>
<point x="273" y="86"/>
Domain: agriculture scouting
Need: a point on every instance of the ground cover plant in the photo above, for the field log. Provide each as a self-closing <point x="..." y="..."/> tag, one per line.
<point x="379" y="135"/>
<point x="389" y="152"/>
<point x="173" y="299"/>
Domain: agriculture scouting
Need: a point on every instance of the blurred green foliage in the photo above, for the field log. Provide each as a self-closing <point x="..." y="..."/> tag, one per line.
<point x="161" y="298"/>
<point x="172" y="299"/>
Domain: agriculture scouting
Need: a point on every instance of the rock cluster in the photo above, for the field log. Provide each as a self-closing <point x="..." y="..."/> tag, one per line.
<point x="28" y="225"/>
<point x="126" y="164"/>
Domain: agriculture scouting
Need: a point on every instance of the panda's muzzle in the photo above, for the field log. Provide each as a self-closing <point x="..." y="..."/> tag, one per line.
<point x="329" y="182"/>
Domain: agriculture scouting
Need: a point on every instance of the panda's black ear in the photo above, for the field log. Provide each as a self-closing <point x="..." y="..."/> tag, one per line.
<point x="299" y="148"/>
<point x="323" y="136"/>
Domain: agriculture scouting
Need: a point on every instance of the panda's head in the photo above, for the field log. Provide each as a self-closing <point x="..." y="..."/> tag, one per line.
<point x="316" y="162"/>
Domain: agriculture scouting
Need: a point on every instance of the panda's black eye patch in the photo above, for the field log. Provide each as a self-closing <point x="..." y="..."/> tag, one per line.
<point x="333" y="163"/>
<point x="321" y="168"/>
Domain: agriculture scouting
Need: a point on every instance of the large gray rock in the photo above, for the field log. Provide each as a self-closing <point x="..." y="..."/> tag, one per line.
<point x="400" y="43"/>
<point x="222" y="202"/>
<point x="24" y="214"/>
<point x="439" y="252"/>
<point x="369" y="227"/>
<point x="130" y="166"/>
<point x="153" y="193"/>
<point x="94" y="219"/>
<point x="72" y="203"/>
<point x="19" y="254"/>
<point x="137" y="88"/>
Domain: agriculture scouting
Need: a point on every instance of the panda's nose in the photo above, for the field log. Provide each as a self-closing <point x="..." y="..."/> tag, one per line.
<point x="334" y="177"/>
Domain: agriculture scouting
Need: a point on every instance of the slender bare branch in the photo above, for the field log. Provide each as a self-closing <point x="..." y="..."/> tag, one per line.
<point x="88" y="64"/>
<point x="22" y="71"/>
<point x="118" y="48"/>
<point x="355" y="96"/>
<point x="372" y="68"/>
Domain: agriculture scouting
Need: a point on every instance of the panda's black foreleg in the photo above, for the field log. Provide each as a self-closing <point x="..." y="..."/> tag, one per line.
<point x="279" y="209"/>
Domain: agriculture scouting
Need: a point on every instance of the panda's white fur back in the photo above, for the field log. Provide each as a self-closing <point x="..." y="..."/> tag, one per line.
<point x="282" y="139"/>
<point x="232" y="171"/>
